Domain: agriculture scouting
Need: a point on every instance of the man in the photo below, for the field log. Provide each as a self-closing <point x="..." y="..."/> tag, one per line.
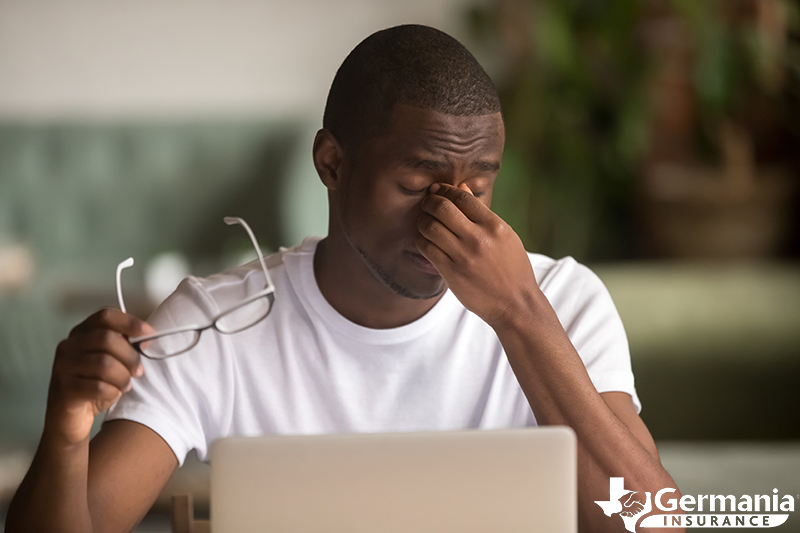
<point x="419" y="311"/>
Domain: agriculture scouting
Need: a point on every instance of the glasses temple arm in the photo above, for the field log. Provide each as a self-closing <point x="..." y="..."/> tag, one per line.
<point x="236" y="220"/>
<point x="120" y="267"/>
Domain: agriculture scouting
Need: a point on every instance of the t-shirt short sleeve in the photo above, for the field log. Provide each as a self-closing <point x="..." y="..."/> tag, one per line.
<point x="173" y="396"/>
<point x="591" y="320"/>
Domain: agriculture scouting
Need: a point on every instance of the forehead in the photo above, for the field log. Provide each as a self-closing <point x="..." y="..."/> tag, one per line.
<point x="411" y="128"/>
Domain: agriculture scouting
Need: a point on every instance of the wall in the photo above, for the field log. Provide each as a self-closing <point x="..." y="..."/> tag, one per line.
<point x="111" y="60"/>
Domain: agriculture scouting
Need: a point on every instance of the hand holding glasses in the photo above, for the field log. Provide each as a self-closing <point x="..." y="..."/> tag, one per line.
<point x="241" y="316"/>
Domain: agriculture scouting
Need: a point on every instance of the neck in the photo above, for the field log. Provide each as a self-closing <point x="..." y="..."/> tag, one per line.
<point x="355" y="293"/>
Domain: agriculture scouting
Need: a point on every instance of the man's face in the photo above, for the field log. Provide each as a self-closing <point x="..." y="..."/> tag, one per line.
<point x="390" y="175"/>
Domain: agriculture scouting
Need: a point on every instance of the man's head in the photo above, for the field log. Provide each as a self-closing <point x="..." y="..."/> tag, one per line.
<point x="413" y="65"/>
<point x="409" y="107"/>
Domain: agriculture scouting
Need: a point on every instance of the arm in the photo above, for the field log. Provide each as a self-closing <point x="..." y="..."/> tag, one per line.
<point x="486" y="267"/>
<point x="110" y="483"/>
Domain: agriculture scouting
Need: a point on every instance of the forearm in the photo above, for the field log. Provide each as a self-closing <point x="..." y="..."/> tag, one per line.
<point x="91" y="370"/>
<point x="53" y="495"/>
<point x="486" y="267"/>
<point x="559" y="391"/>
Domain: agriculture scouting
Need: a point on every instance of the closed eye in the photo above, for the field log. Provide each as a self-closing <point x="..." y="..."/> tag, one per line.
<point x="412" y="192"/>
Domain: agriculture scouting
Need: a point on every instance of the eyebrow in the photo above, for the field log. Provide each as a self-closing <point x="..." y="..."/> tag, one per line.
<point x="486" y="166"/>
<point x="435" y="166"/>
<point x="427" y="164"/>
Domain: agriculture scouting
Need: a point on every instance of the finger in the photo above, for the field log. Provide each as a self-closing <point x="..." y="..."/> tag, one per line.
<point x="103" y="367"/>
<point x="96" y="391"/>
<point x="116" y="320"/>
<point x="446" y="212"/>
<point x="109" y="342"/>
<point x="434" y="254"/>
<point x="439" y="234"/>
<point x="473" y="208"/>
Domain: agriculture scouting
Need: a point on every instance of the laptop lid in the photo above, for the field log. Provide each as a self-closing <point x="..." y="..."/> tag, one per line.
<point x="499" y="480"/>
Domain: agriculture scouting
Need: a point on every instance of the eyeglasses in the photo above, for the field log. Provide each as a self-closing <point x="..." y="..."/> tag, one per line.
<point x="241" y="316"/>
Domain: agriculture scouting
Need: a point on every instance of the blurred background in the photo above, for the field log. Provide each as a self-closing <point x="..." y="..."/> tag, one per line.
<point x="657" y="141"/>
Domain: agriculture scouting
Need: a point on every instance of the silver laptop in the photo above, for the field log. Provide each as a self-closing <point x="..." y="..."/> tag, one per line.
<point x="500" y="480"/>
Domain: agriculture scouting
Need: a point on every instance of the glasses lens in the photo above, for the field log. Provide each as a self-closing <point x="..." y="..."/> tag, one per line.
<point x="244" y="316"/>
<point x="168" y="345"/>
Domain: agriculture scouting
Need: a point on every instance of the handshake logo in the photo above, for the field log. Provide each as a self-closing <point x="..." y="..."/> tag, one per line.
<point x="635" y="508"/>
<point x="627" y="503"/>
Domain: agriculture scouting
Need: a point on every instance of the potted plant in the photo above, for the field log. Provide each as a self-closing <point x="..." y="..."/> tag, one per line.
<point x="635" y="117"/>
<point x="714" y="184"/>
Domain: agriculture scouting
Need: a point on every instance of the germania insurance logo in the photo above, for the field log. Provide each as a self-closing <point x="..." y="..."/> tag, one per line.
<point x="704" y="510"/>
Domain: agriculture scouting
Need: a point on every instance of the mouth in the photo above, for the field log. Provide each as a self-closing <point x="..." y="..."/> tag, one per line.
<point x="421" y="263"/>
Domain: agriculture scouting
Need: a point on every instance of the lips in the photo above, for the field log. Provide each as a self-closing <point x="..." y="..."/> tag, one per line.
<point x="421" y="263"/>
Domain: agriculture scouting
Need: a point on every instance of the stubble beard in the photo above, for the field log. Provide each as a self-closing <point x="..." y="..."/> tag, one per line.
<point x="389" y="280"/>
<point x="381" y="274"/>
<point x="385" y="277"/>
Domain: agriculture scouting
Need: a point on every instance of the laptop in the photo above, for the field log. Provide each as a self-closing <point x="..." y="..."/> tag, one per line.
<point x="494" y="480"/>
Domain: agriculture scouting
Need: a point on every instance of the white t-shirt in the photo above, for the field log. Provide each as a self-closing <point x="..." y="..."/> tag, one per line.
<point x="306" y="369"/>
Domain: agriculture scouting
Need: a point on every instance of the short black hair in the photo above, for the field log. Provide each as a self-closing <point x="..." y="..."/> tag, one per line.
<point x="409" y="64"/>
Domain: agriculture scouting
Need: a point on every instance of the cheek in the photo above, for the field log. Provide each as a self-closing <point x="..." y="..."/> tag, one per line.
<point x="397" y="228"/>
<point x="382" y="217"/>
<point x="399" y="218"/>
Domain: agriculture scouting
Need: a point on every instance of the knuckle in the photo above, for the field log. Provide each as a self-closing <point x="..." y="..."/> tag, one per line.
<point x="106" y="391"/>
<point x="499" y="228"/>
<point x="75" y="331"/>
<point x="472" y="242"/>
<point x="443" y="206"/>
<point x="423" y="244"/>
<point x="96" y="388"/>
<point x="105" y="314"/>
<point x="108" y="338"/>
<point x="482" y="243"/>
<point x="468" y="260"/>
<point x="105" y="363"/>
<point x="62" y="347"/>
<point x="430" y="225"/>
<point x="103" y="390"/>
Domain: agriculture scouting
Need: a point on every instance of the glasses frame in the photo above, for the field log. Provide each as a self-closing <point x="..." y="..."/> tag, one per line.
<point x="268" y="292"/>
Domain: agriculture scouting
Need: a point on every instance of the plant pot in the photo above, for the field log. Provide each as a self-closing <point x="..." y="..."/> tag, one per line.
<point x="692" y="212"/>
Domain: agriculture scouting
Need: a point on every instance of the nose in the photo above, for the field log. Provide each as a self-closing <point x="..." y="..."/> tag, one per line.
<point x="459" y="185"/>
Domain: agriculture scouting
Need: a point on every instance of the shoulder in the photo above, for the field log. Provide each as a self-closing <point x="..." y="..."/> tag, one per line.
<point x="574" y="291"/>
<point x="240" y="280"/>
<point x="202" y="297"/>
<point x="554" y="275"/>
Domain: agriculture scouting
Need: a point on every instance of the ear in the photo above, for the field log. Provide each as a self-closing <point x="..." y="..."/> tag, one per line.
<point x="328" y="159"/>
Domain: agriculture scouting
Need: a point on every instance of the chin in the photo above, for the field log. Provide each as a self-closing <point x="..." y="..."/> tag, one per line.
<point x="415" y="285"/>
<point x="425" y="287"/>
<point x="421" y="294"/>
<point x="421" y="290"/>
